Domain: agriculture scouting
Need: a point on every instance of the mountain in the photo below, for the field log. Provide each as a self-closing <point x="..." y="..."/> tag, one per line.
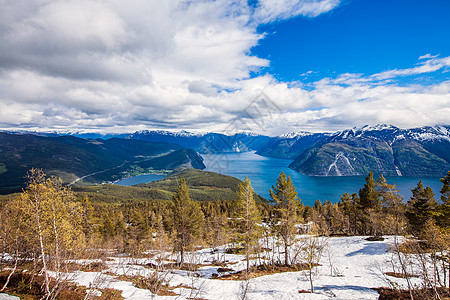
<point x="290" y="145"/>
<point x="383" y="149"/>
<point x="71" y="158"/>
<point x="205" y="142"/>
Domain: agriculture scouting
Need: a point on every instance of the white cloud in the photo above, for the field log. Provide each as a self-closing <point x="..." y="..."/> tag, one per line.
<point x="428" y="55"/>
<point x="427" y="66"/>
<point x="272" y="10"/>
<point x="121" y="66"/>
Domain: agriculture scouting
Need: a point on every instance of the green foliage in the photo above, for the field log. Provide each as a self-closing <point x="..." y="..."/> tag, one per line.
<point x="445" y="191"/>
<point x="188" y="219"/>
<point x="443" y="220"/>
<point x="247" y="218"/>
<point x="287" y="207"/>
<point x="421" y="208"/>
<point x="368" y="196"/>
<point x="393" y="205"/>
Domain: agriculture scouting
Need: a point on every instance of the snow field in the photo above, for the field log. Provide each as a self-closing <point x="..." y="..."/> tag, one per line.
<point x="350" y="267"/>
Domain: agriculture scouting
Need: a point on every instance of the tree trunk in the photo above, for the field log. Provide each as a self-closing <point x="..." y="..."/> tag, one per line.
<point x="12" y="272"/>
<point x="286" y="256"/>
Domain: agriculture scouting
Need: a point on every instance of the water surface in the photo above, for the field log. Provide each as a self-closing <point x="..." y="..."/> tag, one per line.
<point x="263" y="173"/>
<point x="139" y="179"/>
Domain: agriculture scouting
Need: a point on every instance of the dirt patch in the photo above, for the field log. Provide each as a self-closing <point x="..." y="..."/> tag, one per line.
<point x="29" y="287"/>
<point x="235" y="250"/>
<point x="400" y="275"/>
<point x="110" y="294"/>
<point x="176" y="266"/>
<point x="392" y="294"/>
<point x="263" y="270"/>
<point x="224" y="270"/>
<point x="375" y="239"/>
<point x="153" y="283"/>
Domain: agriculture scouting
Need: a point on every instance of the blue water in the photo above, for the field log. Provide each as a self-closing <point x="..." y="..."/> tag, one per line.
<point x="139" y="179"/>
<point x="263" y="173"/>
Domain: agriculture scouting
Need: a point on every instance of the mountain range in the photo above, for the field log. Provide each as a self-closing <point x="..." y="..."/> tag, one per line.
<point x="423" y="151"/>
<point x="383" y="149"/>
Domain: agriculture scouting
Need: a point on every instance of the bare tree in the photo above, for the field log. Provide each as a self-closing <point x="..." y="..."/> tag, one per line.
<point x="312" y="248"/>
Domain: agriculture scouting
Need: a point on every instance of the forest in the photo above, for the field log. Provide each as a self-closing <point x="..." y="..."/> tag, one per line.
<point x="48" y="230"/>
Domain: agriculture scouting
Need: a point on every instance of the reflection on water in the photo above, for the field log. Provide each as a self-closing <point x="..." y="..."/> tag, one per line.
<point x="263" y="173"/>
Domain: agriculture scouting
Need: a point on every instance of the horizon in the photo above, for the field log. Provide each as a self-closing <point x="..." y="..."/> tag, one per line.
<point x="198" y="132"/>
<point x="221" y="66"/>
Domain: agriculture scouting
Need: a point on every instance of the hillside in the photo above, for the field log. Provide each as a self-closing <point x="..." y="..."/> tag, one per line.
<point x="382" y="149"/>
<point x="95" y="161"/>
<point x="203" y="186"/>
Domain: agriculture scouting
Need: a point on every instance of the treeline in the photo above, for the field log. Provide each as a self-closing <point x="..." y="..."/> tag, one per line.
<point x="47" y="225"/>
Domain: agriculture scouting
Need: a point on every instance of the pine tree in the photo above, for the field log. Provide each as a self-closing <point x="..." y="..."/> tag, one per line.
<point x="247" y="218"/>
<point x="368" y="205"/>
<point x="350" y="205"/>
<point x="445" y="191"/>
<point x="368" y="196"/>
<point x="444" y="219"/>
<point x="392" y="202"/>
<point x="421" y="208"/>
<point x="286" y="209"/>
<point x="188" y="219"/>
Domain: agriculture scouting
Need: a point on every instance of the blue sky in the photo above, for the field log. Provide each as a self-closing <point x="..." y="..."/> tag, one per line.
<point x="322" y="65"/>
<point x="359" y="36"/>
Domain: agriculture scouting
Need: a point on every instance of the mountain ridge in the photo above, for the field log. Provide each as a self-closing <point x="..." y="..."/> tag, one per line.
<point x="94" y="161"/>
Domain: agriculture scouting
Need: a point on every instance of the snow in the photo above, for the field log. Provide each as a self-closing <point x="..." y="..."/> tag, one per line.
<point x="182" y="133"/>
<point x="8" y="297"/>
<point x="350" y="268"/>
<point x="293" y="135"/>
<point x="342" y="156"/>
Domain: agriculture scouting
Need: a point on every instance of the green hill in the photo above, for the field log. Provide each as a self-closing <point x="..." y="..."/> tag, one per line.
<point x="203" y="186"/>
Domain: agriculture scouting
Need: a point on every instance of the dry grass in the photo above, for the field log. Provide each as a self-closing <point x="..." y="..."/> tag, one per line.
<point x="154" y="284"/>
<point x="29" y="287"/>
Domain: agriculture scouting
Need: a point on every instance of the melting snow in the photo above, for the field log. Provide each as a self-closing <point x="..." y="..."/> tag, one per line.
<point x="358" y="267"/>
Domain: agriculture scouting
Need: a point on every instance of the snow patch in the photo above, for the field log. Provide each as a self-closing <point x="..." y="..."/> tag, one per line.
<point x="293" y="135"/>
<point x="340" y="155"/>
<point x="399" y="173"/>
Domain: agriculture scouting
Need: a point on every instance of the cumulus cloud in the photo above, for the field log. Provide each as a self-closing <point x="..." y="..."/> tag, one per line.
<point x="122" y="66"/>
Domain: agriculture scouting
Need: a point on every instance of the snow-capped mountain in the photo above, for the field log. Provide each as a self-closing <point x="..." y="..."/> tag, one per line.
<point x="205" y="142"/>
<point x="386" y="149"/>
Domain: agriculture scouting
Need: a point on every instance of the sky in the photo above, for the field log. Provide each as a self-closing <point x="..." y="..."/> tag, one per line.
<point x="266" y="66"/>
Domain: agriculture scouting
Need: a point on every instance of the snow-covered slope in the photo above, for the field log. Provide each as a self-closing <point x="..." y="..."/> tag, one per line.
<point x="349" y="268"/>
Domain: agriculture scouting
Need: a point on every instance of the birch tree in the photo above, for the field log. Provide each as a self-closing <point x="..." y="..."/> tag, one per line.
<point x="51" y="222"/>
